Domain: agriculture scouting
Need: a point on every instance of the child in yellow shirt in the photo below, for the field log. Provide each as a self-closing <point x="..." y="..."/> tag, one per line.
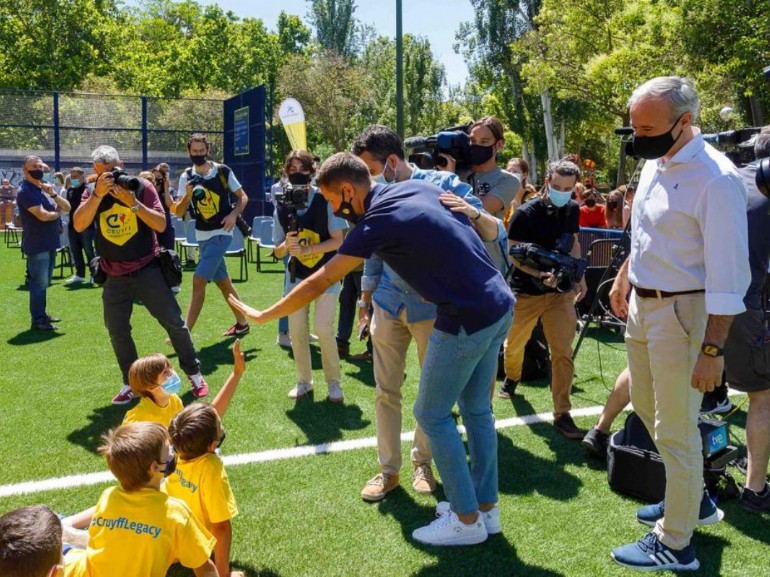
<point x="153" y="380"/>
<point x="200" y="479"/>
<point x="136" y="530"/>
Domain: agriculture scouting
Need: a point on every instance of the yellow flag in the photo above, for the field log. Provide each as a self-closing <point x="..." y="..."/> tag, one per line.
<point x="293" y="119"/>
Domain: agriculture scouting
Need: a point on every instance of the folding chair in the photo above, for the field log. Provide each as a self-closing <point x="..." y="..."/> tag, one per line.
<point x="265" y="241"/>
<point x="238" y="249"/>
<point x="189" y="241"/>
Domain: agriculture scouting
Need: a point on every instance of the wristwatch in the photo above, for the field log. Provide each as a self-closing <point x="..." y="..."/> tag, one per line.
<point x="712" y="350"/>
<point x="363" y="304"/>
<point x="136" y="207"/>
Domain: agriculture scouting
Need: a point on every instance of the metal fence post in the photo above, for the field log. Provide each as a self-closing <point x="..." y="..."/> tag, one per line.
<point x="56" y="142"/>
<point x="144" y="133"/>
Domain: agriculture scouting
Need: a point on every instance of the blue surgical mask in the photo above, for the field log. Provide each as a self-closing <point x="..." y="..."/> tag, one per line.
<point x="380" y="178"/>
<point x="173" y="384"/>
<point x="47" y="177"/>
<point x="559" y="198"/>
<point x="74" y="182"/>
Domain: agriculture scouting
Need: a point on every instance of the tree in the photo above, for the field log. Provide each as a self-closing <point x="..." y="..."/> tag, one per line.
<point x="335" y="25"/>
<point x="293" y="35"/>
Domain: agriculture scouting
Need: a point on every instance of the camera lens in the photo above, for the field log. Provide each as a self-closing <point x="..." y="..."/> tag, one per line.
<point x="199" y="193"/>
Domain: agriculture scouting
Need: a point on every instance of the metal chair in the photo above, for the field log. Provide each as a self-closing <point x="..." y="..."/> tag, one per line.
<point x="179" y="232"/>
<point x="254" y="236"/>
<point x="13" y="232"/>
<point x="63" y="253"/>
<point x="265" y="241"/>
<point x="189" y="241"/>
<point x="237" y="249"/>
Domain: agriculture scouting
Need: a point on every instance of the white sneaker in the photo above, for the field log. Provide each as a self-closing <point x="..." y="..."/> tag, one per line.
<point x="335" y="392"/>
<point x="312" y="338"/>
<point x="491" y="518"/>
<point x="300" y="390"/>
<point x="176" y="289"/>
<point x="448" y="530"/>
<point x="283" y="340"/>
<point x="74" y="279"/>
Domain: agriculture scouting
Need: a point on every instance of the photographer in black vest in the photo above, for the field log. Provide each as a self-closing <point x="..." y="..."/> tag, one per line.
<point x="128" y="216"/>
<point x="312" y="240"/>
<point x="208" y="188"/>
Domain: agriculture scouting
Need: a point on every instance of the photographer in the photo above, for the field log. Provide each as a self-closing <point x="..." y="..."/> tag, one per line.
<point x="550" y="222"/>
<point x="208" y="186"/>
<point x="165" y="192"/>
<point x="126" y="222"/>
<point x="80" y="242"/>
<point x="316" y="241"/>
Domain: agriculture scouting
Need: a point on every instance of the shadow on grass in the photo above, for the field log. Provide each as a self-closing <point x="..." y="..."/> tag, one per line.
<point x="496" y="556"/>
<point x="31" y="337"/>
<point x="323" y="422"/>
<point x="100" y="421"/>
<point x="221" y="353"/>
<point x="177" y="570"/>
<point x="709" y="549"/>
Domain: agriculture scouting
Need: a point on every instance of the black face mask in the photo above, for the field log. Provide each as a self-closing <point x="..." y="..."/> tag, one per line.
<point x="653" y="147"/>
<point x="346" y="211"/>
<point x="299" y="178"/>
<point x="480" y="154"/>
<point x="198" y="159"/>
<point x="36" y="174"/>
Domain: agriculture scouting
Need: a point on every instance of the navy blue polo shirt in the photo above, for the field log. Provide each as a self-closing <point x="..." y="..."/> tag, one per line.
<point x="38" y="236"/>
<point x="435" y="251"/>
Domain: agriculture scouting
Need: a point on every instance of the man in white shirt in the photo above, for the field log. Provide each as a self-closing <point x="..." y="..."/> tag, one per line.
<point x="689" y="271"/>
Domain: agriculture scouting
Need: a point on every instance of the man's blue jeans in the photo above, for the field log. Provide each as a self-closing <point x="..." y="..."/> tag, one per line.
<point x="460" y="368"/>
<point x="40" y="269"/>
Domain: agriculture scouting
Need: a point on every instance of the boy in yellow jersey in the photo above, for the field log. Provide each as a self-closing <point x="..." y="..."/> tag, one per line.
<point x="136" y="530"/>
<point x="153" y="380"/>
<point x="31" y="543"/>
<point x="200" y="479"/>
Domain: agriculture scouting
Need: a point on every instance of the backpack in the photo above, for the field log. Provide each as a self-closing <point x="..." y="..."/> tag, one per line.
<point x="537" y="357"/>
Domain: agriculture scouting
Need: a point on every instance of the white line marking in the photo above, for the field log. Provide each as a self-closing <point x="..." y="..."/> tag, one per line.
<point x="82" y="480"/>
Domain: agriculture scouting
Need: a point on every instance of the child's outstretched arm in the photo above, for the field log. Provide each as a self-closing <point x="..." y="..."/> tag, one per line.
<point x="222" y="400"/>
<point x="208" y="569"/>
<point x="224" y="533"/>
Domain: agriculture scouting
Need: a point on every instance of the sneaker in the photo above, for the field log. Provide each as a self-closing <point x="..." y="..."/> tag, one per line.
<point x="335" y="392"/>
<point x="708" y="514"/>
<point x="283" y="340"/>
<point x="300" y="390"/>
<point x="508" y="389"/>
<point x="596" y="443"/>
<point x="312" y="338"/>
<point x="649" y="554"/>
<point x="53" y="319"/>
<point x="711" y="406"/>
<point x="200" y="388"/>
<point x="124" y="396"/>
<point x="757" y="502"/>
<point x="43" y="325"/>
<point x="379" y="486"/>
<point x="74" y="279"/>
<point x="491" y="518"/>
<point x="448" y="530"/>
<point x="423" y="480"/>
<point x="176" y="289"/>
<point x="567" y="427"/>
<point x="343" y="350"/>
<point x="237" y="330"/>
<point x="364" y="357"/>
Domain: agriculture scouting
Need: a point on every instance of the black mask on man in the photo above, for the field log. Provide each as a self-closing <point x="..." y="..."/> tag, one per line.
<point x="480" y="154"/>
<point x="653" y="147"/>
<point x="36" y="174"/>
<point x="198" y="159"/>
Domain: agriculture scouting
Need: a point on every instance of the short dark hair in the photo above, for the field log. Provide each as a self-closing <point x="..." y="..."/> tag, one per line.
<point x="77" y="169"/>
<point x="131" y="449"/>
<point x="193" y="429"/>
<point x="198" y="137"/>
<point x="762" y="145"/>
<point x="564" y="168"/>
<point x="343" y="166"/>
<point x="379" y="141"/>
<point x="30" y="542"/>
<point x="493" y="124"/>
<point x="303" y="156"/>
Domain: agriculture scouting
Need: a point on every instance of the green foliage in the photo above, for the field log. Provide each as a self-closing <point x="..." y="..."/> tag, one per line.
<point x="335" y="25"/>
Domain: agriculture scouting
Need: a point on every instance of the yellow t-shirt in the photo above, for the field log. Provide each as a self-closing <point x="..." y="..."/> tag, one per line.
<point x="202" y="483"/>
<point x="147" y="410"/>
<point x="140" y="534"/>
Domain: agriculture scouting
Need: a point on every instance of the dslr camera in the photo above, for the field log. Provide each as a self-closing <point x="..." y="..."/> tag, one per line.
<point x="122" y="179"/>
<point x="199" y="193"/>
<point x="454" y="141"/>
<point x="293" y="196"/>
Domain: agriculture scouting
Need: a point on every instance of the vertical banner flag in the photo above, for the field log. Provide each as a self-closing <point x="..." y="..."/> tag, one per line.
<point x="293" y="119"/>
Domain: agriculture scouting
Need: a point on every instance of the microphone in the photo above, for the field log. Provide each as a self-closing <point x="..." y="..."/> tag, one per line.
<point x="416" y="142"/>
<point x="624" y="131"/>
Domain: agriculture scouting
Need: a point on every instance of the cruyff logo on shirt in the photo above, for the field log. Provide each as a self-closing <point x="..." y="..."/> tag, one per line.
<point x="126" y="525"/>
<point x="185" y="483"/>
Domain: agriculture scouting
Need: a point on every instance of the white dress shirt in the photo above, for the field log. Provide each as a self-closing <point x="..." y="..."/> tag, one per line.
<point x="689" y="228"/>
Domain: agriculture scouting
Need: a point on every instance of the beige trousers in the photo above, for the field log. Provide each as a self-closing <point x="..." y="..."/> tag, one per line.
<point x="323" y="326"/>
<point x="391" y="337"/>
<point x="559" y="323"/>
<point x="664" y="337"/>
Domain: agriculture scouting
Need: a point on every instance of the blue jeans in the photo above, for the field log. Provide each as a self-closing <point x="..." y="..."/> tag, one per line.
<point x="40" y="270"/>
<point x="82" y="242"/>
<point x="460" y="368"/>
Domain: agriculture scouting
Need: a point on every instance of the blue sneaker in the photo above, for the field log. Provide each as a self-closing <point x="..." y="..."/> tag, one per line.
<point x="649" y="554"/>
<point x="708" y="515"/>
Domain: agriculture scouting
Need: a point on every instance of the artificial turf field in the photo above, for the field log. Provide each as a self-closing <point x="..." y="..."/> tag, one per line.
<point x="302" y="515"/>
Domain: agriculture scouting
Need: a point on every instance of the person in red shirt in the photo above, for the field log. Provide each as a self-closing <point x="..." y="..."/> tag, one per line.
<point x="592" y="214"/>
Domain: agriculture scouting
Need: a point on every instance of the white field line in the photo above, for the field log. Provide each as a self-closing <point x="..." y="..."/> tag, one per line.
<point x="85" y="479"/>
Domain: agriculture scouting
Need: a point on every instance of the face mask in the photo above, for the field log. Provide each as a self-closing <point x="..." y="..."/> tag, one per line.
<point x="653" y="147"/>
<point x="173" y="384"/>
<point x="381" y="179"/>
<point x="299" y="178"/>
<point x="36" y="174"/>
<point x="590" y="202"/>
<point x="198" y="159"/>
<point x="221" y="439"/>
<point x="47" y="177"/>
<point x="346" y="211"/>
<point x="480" y="154"/>
<point x="74" y="182"/>
<point x="170" y="466"/>
<point x="559" y="198"/>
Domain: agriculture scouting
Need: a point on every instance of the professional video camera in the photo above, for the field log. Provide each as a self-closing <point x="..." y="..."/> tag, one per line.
<point x="567" y="269"/>
<point x="293" y="196"/>
<point x="122" y="179"/>
<point x="454" y="141"/>
<point x="737" y="145"/>
<point x="199" y="193"/>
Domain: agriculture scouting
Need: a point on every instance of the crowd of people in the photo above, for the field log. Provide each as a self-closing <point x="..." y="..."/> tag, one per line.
<point x="429" y="255"/>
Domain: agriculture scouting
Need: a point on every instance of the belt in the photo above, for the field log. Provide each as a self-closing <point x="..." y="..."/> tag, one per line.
<point x="658" y="294"/>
